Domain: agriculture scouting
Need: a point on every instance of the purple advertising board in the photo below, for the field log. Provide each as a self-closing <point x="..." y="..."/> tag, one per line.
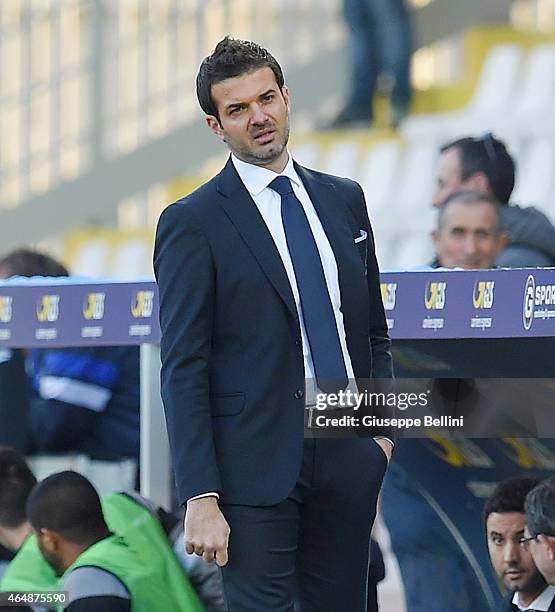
<point x="78" y="314"/>
<point x="418" y="305"/>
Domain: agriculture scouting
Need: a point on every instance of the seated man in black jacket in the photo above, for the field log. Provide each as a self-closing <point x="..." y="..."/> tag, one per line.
<point x="513" y="563"/>
<point x="83" y="399"/>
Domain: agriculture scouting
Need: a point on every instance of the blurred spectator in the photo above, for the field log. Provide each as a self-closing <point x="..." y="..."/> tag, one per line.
<point x="484" y="164"/>
<point x="436" y="573"/>
<point x="123" y="512"/>
<point x="98" y="570"/>
<point x="468" y="233"/>
<point x="513" y="563"/>
<point x="14" y="399"/>
<point x="540" y="528"/>
<point x="83" y="399"/>
<point x="380" y="46"/>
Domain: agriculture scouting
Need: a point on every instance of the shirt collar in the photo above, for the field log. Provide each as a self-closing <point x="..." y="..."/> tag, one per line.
<point x="542" y="602"/>
<point x="256" y="178"/>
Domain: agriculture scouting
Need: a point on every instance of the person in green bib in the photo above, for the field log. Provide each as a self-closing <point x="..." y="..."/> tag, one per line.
<point x="99" y="570"/>
<point x="152" y="533"/>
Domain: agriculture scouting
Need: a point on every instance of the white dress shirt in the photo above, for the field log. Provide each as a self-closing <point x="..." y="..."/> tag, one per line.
<point x="256" y="180"/>
<point x="268" y="202"/>
<point x="541" y="603"/>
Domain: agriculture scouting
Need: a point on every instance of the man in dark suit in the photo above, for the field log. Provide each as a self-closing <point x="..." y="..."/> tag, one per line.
<point x="267" y="277"/>
<point x="512" y="561"/>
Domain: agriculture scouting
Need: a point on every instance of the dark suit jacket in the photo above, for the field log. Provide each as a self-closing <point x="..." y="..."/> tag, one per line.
<point x="232" y="360"/>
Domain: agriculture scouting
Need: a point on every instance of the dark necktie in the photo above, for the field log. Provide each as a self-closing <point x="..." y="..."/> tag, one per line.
<point x="318" y="315"/>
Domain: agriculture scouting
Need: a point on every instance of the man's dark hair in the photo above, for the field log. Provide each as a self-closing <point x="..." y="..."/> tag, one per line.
<point x="16" y="483"/>
<point x="232" y="58"/>
<point x="26" y="262"/>
<point x="468" y="197"/>
<point x="68" y="504"/>
<point x="540" y="508"/>
<point x="489" y="155"/>
<point x="509" y="496"/>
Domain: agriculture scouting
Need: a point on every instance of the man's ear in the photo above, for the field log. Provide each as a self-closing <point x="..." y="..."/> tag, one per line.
<point x="285" y="93"/>
<point x="435" y="236"/>
<point x="503" y="242"/>
<point x="214" y="124"/>
<point x="549" y="541"/>
<point x="50" y="539"/>
<point x="478" y="182"/>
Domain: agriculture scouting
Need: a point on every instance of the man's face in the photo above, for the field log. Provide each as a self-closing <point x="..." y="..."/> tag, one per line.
<point x="512" y="563"/>
<point x="49" y="548"/>
<point x="468" y="237"/>
<point x="542" y="551"/>
<point x="254" y="118"/>
<point x="449" y="178"/>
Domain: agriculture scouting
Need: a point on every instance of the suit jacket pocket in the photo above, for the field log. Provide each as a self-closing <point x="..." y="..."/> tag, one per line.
<point x="227" y="404"/>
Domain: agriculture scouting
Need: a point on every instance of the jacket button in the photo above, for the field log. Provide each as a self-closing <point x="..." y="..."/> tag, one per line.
<point x="299" y="394"/>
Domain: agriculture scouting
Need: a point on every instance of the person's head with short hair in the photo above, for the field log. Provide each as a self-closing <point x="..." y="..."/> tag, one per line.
<point x="540" y="527"/>
<point x="16" y="483"/>
<point x="505" y="522"/>
<point x="27" y="262"/>
<point x="66" y="514"/>
<point x="240" y="87"/>
<point x="478" y="164"/>
<point x="468" y="233"/>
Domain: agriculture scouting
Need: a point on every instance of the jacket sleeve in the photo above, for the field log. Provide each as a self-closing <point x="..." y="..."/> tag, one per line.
<point x="380" y="344"/>
<point x="382" y="366"/>
<point x="185" y="275"/>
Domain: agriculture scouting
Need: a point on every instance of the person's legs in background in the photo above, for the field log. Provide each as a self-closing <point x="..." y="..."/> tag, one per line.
<point x="395" y="42"/>
<point x="363" y="53"/>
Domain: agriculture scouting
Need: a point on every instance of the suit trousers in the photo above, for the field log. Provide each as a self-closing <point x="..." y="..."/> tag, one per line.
<point x="313" y="547"/>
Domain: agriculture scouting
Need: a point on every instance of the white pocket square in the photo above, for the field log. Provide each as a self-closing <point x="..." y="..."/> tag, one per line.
<point x="363" y="236"/>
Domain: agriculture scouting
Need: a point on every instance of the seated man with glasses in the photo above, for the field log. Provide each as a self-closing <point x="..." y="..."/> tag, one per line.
<point x="484" y="164"/>
<point x="540" y="528"/>
<point x="512" y="561"/>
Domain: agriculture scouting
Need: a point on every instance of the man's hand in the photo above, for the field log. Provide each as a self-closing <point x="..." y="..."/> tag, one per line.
<point x="206" y="530"/>
<point x="386" y="446"/>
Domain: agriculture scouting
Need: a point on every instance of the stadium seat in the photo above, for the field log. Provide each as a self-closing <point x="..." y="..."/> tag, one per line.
<point x="378" y="171"/>
<point x="306" y="154"/>
<point x="132" y="260"/>
<point x="107" y="476"/>
<point x="342" y="159"/>
<point x="492" y="95"/>
<point x="536" y="175"/>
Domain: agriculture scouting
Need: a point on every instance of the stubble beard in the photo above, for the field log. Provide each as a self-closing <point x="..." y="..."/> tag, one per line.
<point x="262" y="157"/>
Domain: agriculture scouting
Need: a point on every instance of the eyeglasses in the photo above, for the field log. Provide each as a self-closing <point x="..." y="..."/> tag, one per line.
<point x="524" y="541"/>
<point x="489" y="145"/>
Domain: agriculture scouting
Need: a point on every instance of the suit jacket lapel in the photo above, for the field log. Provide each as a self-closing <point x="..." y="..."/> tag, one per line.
<point x="244" y="214"/>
